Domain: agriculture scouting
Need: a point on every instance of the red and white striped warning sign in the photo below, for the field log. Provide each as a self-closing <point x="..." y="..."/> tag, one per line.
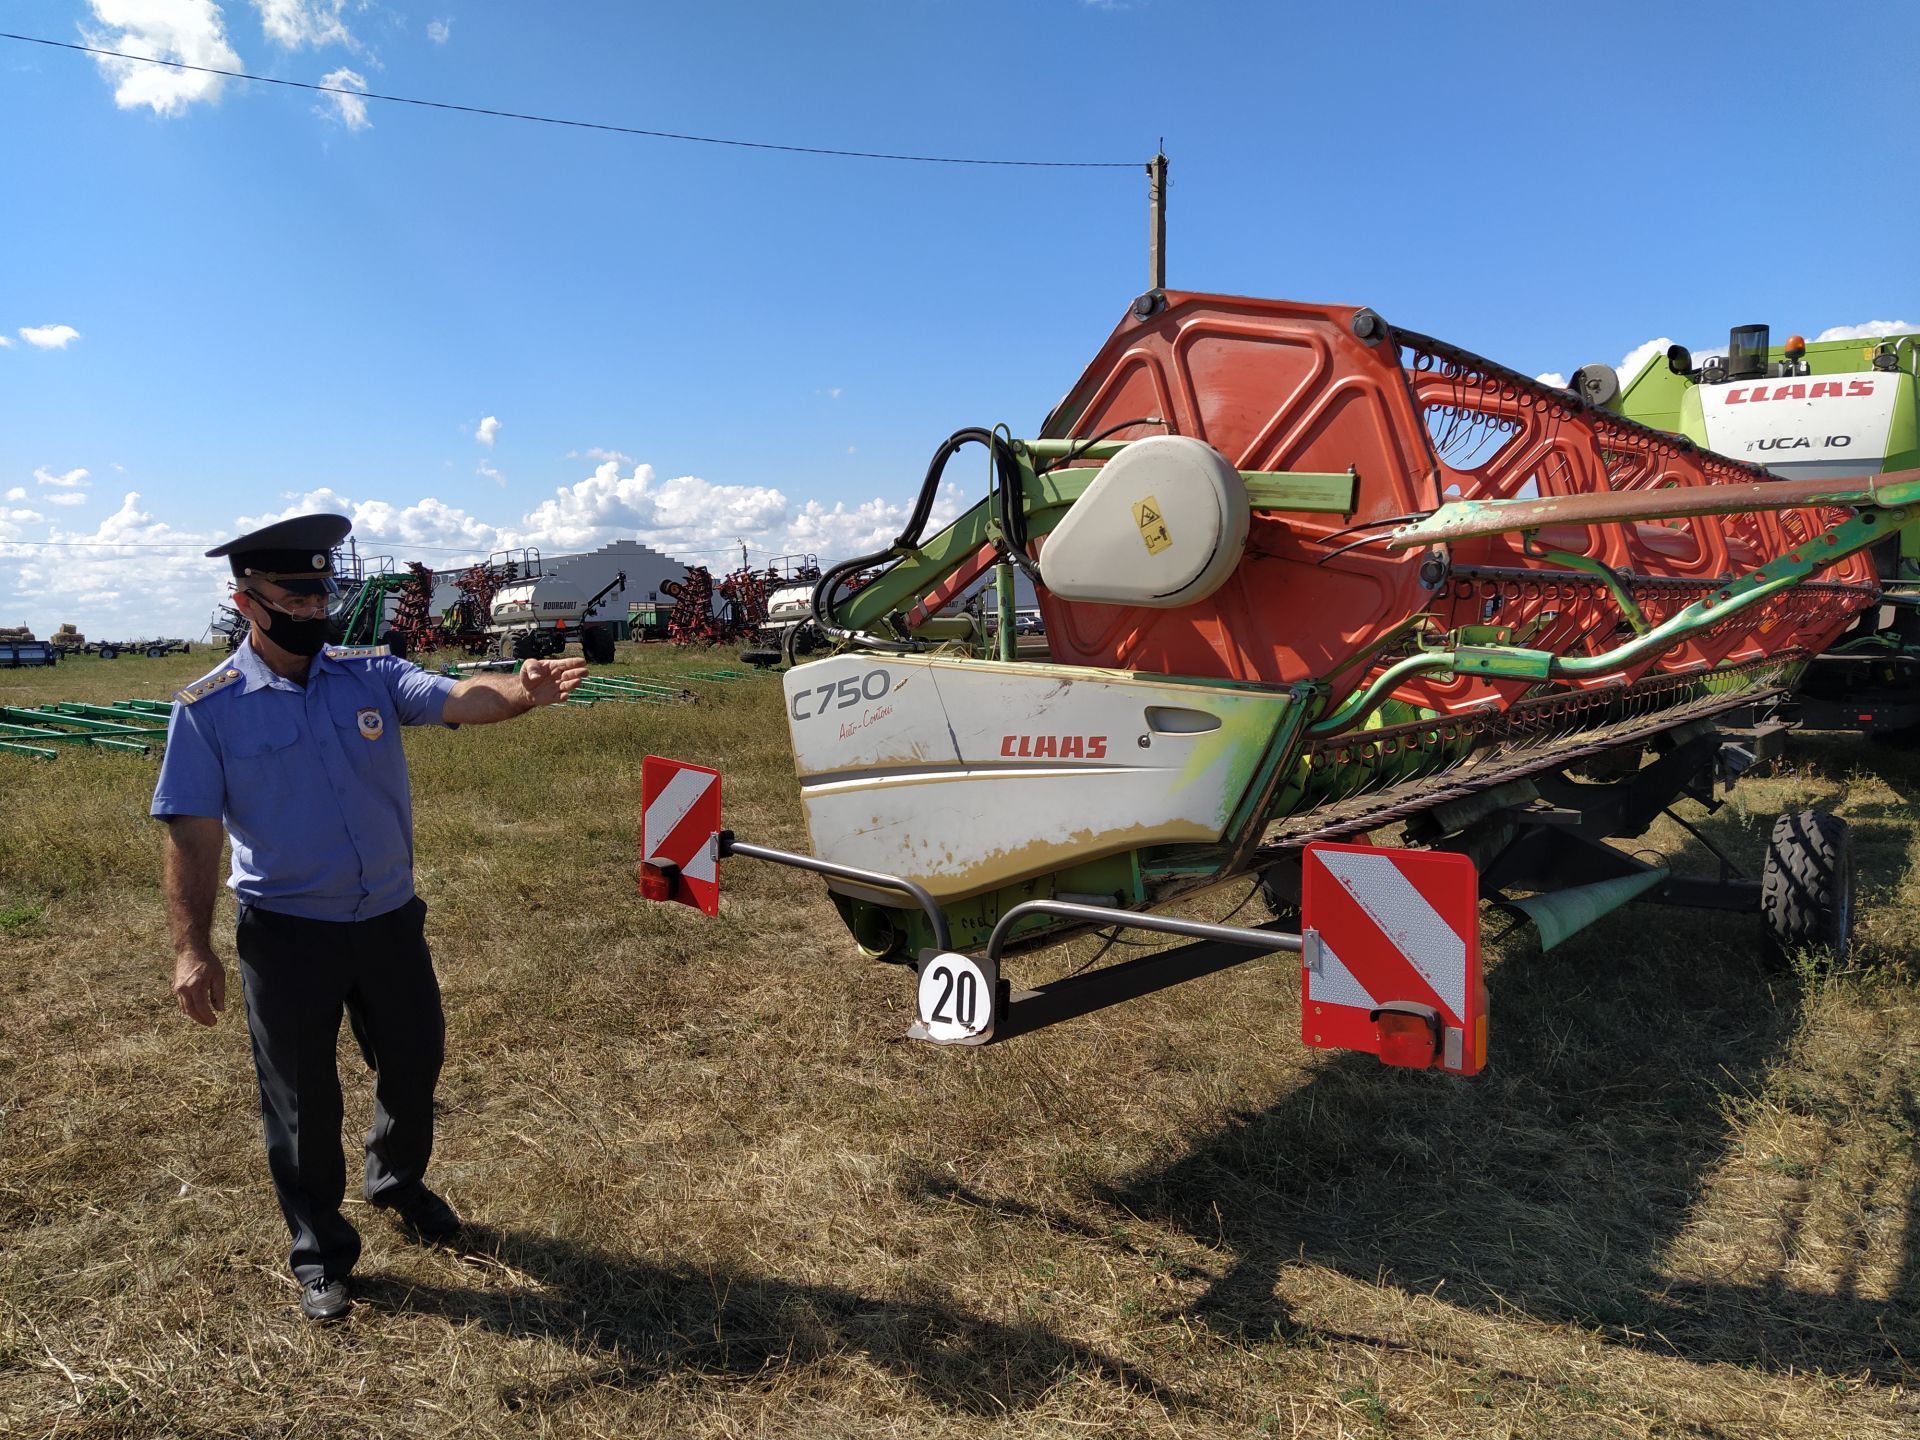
<point x="1392" y="960"/>
<point x="680" y="832"/>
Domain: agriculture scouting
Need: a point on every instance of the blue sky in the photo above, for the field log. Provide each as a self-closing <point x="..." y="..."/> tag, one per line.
<point x="234" y="301"/>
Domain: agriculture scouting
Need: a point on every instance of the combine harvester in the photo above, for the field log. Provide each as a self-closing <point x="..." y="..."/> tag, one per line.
<point x="1835" y="409"/>
<point x="1304" y="576"/>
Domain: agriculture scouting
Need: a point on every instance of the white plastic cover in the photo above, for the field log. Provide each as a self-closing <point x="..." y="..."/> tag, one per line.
<point x="1162" y="525"/>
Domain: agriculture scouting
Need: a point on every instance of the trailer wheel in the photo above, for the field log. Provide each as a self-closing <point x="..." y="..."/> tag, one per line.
<point x="597" y="646"/>
<point x="107" y="652"/>
<point x="800" y="641"/>
<point x="760" y="658"/>
<point x="396" y="643"/>
<point x="1806" y="886"/>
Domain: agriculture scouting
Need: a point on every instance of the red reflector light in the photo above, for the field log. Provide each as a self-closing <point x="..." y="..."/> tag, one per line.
<point x="658" y="882"/>
<point x="1406" y="1040"/>
<point x="1864" y="719"/>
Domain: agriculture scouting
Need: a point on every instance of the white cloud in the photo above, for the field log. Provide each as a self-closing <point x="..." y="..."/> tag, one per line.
<point x="1630" y="365"/>
<point x="439" y="31"/>
<point x="293" y="23"/>
<point x="129" y="577"/>
<point x="841" y="532"/>
<point x="1553" y="378"/>
<point x="486" y="470"/>
<point x="418" y="531"/>
<point x="5" y="343"/>
<point x="349" y="110"/>
<point x="189" y="31"/>
<point x="72" y="480"/>
<point x="18" y="492"/>
<point x="1872" y="330"/>
<point x="683" y="513"/>
<point x="12" y="523"/>
<point x="119" y="584"/>
<point x="49" y="337"/>
<point x="489" y="428"/>
<point x="65" y="497"/>
<point x="594" y="452"/>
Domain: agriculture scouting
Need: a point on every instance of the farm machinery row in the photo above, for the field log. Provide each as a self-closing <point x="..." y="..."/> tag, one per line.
<point x="509" y="606"/>
<point x="760" y="605"/>
<point x="19" y="648"/>
<point x="1308" y="580"/>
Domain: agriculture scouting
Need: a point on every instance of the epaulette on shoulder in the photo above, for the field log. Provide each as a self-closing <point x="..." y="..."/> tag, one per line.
<point x="206" y="685"/>
<point x="356" y="652"/>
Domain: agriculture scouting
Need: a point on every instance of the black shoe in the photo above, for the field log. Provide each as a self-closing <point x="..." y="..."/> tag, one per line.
<point x="326" y="1298"/>
<point x="424" y="1215"/>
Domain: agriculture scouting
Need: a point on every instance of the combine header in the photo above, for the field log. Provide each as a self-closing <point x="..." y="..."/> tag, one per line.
<point x="1305" y="576"/>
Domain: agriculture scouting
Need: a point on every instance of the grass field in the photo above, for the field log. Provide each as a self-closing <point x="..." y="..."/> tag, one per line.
<point x="713" y="1193"/>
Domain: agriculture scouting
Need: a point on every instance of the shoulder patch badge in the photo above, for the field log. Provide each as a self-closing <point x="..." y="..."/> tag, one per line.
<point x="372" y="723"/>
<point x="356" y="652"/>
<point x="204" y="687"/>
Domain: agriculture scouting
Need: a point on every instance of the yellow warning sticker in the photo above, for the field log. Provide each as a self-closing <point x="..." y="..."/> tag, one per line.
<point x="1153" y="526"/>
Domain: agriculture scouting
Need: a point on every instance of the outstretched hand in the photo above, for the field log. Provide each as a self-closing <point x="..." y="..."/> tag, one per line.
<point x="547" y="682"/>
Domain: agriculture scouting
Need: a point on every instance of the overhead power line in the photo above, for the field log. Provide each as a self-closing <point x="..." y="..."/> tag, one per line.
<point x="419" y="549"/>
<point x="571" y="124"/>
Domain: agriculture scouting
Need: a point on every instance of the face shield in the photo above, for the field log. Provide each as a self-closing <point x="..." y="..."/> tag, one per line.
<point x="306" y="598"/>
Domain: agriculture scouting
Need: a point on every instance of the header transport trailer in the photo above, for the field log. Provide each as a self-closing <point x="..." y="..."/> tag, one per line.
<point x="1304" y="576"/>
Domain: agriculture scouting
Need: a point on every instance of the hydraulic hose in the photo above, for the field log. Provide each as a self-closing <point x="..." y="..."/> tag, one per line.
<point x="825" y="593"/>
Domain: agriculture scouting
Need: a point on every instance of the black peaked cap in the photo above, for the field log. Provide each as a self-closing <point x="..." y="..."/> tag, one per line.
<point x="295" y="554"/>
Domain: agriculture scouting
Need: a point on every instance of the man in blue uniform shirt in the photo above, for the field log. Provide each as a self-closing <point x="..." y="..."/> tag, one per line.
<point x="295" y="746"/>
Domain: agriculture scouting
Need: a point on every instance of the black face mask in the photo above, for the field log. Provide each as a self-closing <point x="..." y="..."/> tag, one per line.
<point x="294" y="635"/>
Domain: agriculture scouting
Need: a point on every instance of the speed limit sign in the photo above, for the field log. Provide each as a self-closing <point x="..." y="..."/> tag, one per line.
<point x="955" y="1001"/>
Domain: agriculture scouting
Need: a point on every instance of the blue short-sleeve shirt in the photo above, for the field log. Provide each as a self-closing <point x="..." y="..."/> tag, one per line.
<point x="311" y="781"/>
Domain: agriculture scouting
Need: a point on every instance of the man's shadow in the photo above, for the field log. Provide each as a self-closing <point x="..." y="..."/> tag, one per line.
<point x="1558" y="1182"/>
<point x="633" y="1323"/>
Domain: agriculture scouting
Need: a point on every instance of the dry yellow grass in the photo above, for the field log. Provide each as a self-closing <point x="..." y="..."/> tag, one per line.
<point x="713" y="1194"/>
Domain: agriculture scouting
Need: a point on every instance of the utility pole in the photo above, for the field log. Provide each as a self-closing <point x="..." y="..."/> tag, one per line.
<point x="1157" y="220"/>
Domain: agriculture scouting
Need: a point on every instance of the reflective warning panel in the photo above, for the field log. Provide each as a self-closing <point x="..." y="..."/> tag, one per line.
<point x="680" y="833"/>
<point x="1391" y="964"/>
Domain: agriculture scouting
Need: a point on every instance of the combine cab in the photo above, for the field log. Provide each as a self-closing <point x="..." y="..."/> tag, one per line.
<point x="1305" y="577"/>
<point x="1835" y="409"/>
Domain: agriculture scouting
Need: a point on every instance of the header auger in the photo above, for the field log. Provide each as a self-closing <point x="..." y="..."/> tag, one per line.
<point x="1303" y="576"/>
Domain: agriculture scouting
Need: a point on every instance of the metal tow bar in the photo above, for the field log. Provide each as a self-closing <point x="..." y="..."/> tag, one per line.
<point x="945" y="1020"/>
<point x="963" y="999"/>
<point x="880" y="881"/>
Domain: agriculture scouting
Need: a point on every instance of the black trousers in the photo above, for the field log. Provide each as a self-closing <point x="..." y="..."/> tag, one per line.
<point x="300" y="975"/>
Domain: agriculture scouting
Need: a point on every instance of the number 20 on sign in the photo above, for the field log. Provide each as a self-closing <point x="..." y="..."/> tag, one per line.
<point x="956" y="998"/>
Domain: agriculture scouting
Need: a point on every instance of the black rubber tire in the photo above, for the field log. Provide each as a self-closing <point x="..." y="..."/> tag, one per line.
<point x="524" y="646"/>
<point x="1806" y="886"/>
<point x="396" y="643"/>
<point x="760" y="658"/>
<point x="596" y="646"/>
<point x="800" y="641"/>
<point x="154" y="652"/>
<point x="107" y="652"/>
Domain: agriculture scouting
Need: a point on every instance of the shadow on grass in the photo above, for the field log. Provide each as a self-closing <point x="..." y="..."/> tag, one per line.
<point x="1567" y="1181"/>
<point x="634" y="1323"/>
<point x="1556" y="1182"/>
